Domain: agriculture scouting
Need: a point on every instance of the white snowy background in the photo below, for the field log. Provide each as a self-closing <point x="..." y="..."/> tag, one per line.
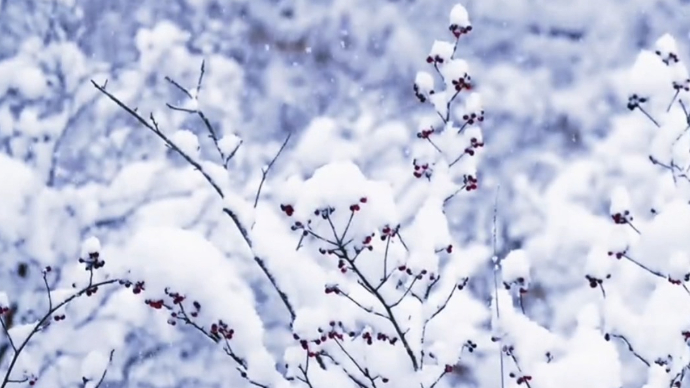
<point x="562" y="156"/>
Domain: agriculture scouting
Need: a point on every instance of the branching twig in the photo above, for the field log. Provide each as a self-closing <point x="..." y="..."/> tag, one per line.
<point x="153" y="127"/>
<point x="631" y="349"/>
<point x="264" y="172"/>
<point x="37" y="327"/>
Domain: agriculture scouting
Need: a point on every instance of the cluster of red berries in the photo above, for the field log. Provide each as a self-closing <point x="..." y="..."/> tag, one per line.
<point x="336" y="331"/>
<point x="58" y="318"/>
<point x="154" y="304"/>
<point x="32" y="381"/>
<point x="93" y="261"/>
<point x="4" y="310"/>
<point x="686" y="278"/>
<point x="419" y="276"/>
<point x="472" y="118"/>
<point x="470" y="182"/>
<point x="175" y="296"/>
<point x="420" y="96"/>
<point x="595" y="282"/>
<point x="221" y="330"/>
<point x="462" y="83"/>
<point x="435" y="59"/>
<point x="686" y="335"/>
<point x="622" y="218"/>
<point x="355" y="207"/>
<point x="91" y="290"/>
<point x="474" y="143"/>
<point x="287" y="209"/>
<point x="671" y="57"/>
<point x="617" y="255"/>
<point x="522" y="379"/>
<point x="369" y="339"/>
<point x="458" y="31"/>
<point x="682" y="85"/>
<point x="520" y="282"/>
<point x="425" y="133"/>
<point x="421" y="169"/>
<point x="138" y="286"/>
<point x="634" y="101"/>
<point x="332" y="290"/>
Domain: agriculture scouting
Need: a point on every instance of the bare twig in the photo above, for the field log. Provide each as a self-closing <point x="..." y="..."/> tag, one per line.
<point x="631" y="349"/>
<point x="153" y="127"/>
<point x="37" y="327"/>
<point x="495" y="271"/>
<point x="264" y="171"/>
<point x="105" y="372"/>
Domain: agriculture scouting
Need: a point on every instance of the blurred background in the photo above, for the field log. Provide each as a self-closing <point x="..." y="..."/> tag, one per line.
<point x="548" y="72"/>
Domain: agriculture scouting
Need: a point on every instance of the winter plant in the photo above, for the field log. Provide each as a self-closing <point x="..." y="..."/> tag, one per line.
<point x="376" y="291"/>
<point x="370" y="297"/>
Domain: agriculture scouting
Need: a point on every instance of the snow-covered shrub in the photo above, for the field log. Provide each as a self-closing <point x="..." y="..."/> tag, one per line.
<point x="611" y="252"/>
<point x="371" y="297"/>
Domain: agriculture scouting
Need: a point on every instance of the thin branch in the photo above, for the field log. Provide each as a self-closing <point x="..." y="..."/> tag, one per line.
<point x="649" y="116"/>
<point x="105" y="372"/>
<point x="7" y="333"/>
<point x="367" y="285"/>
<point x="644" y="267"/>
<point x="37" y="327"/>
<point x="233" y="216"/>
<point x="495" y="271"/>
<point x="631" y="349"/>
<point x="407" y="291"/>
<point x="264" y="172"/>
<point x="363" y="371"/>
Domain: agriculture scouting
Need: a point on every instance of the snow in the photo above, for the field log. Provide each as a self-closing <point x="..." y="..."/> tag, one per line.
<point x="187" y="142"/>
<point x="454" y="70"/>
<point x="666" y="45"/>
<point x="187" y="263"/>
<point x="473" y="103"/>
<point x="620" y="201"/>
<point x="679" y="265"/>
<point x="322" y="142"/>
<point x="341" y="185"/>
<point x="89" y="246"/>
<point x="664" y="236"/>
<point x="425" y="82"/>
<point x="516" y="266"/>
<point x="599" y="263"/>
<point x="228" y="144"/>
<point x="578" y="368"/>
<point x="657" y="377"/>
<point x="4" y="300"/>
<point x="24" y="76"/>
<point x="648" y="76"/>
<point x="19" y="333"/>
<point x="93" y="365"/>
<point x="239" y="207"/>
<point x="442" y="49"/>
<point x="459" y="16"/>
<point x="19" y="186"/>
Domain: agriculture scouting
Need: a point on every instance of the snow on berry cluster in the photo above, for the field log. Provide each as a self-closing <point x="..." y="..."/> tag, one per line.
<point x="384" y="280"/>
<point x="451" y="139"/>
